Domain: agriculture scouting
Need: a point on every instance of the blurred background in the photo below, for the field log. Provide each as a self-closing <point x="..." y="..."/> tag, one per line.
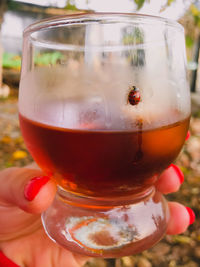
<point x="173" y="251"/>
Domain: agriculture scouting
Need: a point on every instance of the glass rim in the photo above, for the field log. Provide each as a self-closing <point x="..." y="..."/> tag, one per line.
<point x="94" y="17"/>
<point x="81" y="18"/>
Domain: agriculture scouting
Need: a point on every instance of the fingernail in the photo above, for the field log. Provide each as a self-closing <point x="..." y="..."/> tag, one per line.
<point x="188" y="135"/>
<point x="178" y="172"/>
<point x="192" y="215"/>
<point x="33" y="187"/>
<point x="6" y="262"/>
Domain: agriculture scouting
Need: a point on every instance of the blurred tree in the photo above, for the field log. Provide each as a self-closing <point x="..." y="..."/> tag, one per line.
<point x="2" y="9"/>
<point x="70" y="5"/>
<point x="140" y="3"/>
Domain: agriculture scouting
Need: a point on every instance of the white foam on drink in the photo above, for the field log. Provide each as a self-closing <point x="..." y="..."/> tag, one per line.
<point x="77" y="97"/>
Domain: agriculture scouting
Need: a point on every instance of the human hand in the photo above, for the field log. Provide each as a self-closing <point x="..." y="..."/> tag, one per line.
<point x="22" y="237"/>
<point x="24" y="194"/>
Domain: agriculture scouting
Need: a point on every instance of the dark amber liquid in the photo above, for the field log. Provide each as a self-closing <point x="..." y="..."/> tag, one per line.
<point x="102" y="162"/>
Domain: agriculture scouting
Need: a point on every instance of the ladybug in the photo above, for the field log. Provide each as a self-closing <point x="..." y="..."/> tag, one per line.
<point x="134" y="95"/>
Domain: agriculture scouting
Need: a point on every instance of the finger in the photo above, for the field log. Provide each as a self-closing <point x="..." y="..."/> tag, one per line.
<point x="26" y="188"/>
<point x="32" y="165"/>
<point x="170" y="180"/>
<point x="53" y="255"/>
<point x="180" y="218"/>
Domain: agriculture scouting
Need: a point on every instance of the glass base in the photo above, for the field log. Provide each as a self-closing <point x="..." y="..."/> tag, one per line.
<point x="107" y="228"/>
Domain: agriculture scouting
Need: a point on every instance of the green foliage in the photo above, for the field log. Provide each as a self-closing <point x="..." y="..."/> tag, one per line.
<point x="189" y="41"/>
<point x="185" y="170"/>
<point x="196" y="114"/>
<point x="13" y="5"/>
<point x="71" y="6"/>
<point x="11" y="61"/>
<point x="139" y="3"/>
<point x="135" y="37"/>
<point x="47" y="58"/>
<point x="169" y="2"/>
<point x="196" y="14"/>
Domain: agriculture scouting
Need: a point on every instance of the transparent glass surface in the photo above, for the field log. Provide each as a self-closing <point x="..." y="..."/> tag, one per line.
<point x="104" y="108"/>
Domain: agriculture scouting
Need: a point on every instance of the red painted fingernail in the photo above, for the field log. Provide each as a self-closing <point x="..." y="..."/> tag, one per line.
<point x="188" y="135"/>
<point x="33" y="187"/>
<point x="6" y="262"/>
<point x="192" y="215"/>
<point x="178" y="172"/>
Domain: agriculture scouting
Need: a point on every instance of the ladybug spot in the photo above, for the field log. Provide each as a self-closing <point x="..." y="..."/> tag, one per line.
<point x="134" y="96"/>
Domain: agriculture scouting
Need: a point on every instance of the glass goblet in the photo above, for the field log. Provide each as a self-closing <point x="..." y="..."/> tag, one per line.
<point x="104" y="108"/>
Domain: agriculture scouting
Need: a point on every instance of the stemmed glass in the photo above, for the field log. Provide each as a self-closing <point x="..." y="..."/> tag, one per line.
<point x="103" y="116"/>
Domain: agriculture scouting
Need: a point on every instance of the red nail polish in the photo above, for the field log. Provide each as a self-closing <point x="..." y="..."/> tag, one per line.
<point x="6" y="262"/>
<point x="188" y="135"/>
<point x="179" y="172"/>
<point x="192" y="215"/>
<point x="33" y="187"/>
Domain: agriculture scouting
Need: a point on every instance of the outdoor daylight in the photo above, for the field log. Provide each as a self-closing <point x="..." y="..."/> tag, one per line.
<point x="99" y="133"/>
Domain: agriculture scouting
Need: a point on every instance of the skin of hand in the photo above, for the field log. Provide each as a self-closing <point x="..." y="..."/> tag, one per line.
<point x="22" y="238"/>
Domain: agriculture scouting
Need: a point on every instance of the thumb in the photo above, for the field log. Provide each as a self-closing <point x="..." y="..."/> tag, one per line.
<point x="26" y="188"/>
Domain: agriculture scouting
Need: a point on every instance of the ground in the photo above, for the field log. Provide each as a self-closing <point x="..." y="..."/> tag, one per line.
<point x="173" y="251"/>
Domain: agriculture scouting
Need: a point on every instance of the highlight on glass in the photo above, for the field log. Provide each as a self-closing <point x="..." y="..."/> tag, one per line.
<point x="103" y="118"/>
